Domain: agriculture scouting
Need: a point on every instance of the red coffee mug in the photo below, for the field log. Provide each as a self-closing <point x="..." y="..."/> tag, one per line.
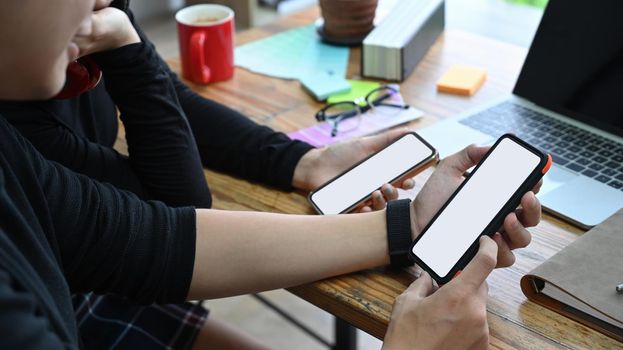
<point x="206" y="37"/>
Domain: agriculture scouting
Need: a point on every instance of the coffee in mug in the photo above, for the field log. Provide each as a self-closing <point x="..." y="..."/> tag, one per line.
<point x="205" y="21"/>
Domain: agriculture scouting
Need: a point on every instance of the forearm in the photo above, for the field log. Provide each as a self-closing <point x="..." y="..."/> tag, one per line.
<point x="230" y="142"/>
<point x="244" y="252"/>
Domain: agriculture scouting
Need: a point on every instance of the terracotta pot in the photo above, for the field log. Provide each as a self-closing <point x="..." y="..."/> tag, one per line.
<point x="348" y="18"/>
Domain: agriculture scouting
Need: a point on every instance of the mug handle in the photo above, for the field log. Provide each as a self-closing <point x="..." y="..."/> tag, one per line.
<point x="197" y="56"/>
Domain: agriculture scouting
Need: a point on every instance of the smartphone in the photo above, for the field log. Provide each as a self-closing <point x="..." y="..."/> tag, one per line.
<point x="400" y="160"/>
<point x="479" y="206"/>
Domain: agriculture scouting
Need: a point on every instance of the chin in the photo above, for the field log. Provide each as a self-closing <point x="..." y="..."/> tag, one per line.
<point x="52" y="90"/>
<point x="32" y="90"/>
<point x="54" y="80"/>
<point x="35" y="81"/>
<point x="44" y="89"/>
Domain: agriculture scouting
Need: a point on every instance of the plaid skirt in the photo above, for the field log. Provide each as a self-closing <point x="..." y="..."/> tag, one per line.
<point x="109" y="322"/>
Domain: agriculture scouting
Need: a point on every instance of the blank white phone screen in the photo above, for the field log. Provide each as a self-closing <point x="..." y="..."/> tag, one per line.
<point x="475" y="206"/>
<point x="368" y="176"/>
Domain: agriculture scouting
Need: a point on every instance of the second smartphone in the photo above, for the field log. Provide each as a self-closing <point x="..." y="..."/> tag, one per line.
<point x="479" y="206"/>
<point x="402" y="159"/>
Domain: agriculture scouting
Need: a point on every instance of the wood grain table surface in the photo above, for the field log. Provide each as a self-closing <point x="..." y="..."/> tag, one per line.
<point x="365" y="298"/>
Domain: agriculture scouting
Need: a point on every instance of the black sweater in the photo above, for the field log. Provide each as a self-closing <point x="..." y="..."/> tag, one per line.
<point x="161" y="115"/>
<point x="61" y="232"/>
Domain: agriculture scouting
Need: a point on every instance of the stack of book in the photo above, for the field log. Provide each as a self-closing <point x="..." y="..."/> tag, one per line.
<point x="399" y="42"/>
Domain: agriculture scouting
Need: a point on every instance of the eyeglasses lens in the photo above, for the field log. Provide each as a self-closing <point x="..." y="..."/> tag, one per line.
<point x="343" y="117"/>
<point x="386" y="101"/>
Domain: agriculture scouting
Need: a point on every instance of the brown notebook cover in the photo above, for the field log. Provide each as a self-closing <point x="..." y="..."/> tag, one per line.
<point x="579" y="281"/>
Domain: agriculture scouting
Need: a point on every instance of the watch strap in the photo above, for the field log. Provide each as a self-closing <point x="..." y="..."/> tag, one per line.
<point x="398" y="217"/>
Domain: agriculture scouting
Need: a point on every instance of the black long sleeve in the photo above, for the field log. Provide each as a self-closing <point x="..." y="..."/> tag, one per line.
<point x="230" y="142"/>
<point x="21" y="324"/>
<point x="57" y="130"/>
<point x="61" y="232"/>
<point x="164" y="163"/>
<point x="162" y="149"/>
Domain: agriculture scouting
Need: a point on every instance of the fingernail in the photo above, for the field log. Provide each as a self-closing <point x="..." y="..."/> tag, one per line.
<point x="387" y="190"/>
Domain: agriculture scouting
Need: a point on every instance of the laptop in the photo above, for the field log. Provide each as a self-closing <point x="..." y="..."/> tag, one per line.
<point x="568" y="101"/>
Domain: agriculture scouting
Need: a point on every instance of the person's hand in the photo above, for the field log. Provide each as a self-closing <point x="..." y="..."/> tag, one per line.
<point x="111" y="29"/>
<point x="447" y="178"/>
<point x="453" y="317"/>
<point x="320" y="165"/>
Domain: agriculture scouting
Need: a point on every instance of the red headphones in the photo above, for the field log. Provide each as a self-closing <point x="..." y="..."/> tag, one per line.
<point x="83" y="75"/>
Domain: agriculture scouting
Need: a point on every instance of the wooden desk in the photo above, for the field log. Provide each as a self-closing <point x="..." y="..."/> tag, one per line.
<point x="365" y="298"/>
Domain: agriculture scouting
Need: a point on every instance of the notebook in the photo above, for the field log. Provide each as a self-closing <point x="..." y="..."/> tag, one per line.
<point x="359" y="89"/>
<point x="579" y="281"/>
<point x="298" y="54"/>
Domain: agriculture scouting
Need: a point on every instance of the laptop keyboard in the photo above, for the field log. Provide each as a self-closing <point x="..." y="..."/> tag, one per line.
<point x="573" y="148"/>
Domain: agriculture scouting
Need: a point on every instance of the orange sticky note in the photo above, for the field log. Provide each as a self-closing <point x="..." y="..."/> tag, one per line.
<point x="462" y="80"/>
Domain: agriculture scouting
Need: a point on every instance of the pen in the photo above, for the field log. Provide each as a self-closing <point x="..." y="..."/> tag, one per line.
<point x="619" y="288"/>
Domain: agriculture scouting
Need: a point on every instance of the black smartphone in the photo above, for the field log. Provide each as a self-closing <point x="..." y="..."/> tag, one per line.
<point x="479" y="206"/>
<point x="400" y="160"/>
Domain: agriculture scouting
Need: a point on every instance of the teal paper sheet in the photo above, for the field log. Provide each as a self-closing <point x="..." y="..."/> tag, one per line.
<point x="296" y="54"/>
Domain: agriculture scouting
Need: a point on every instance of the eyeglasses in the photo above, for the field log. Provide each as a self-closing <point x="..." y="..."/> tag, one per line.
<point x="346" y="116"/>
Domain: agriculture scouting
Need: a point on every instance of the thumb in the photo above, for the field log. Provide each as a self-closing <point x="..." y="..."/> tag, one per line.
<point x="465" y="158"/>
<point x="377" y="142"/>
<point x="421" y="287"/>
<point x="477" y="271"/>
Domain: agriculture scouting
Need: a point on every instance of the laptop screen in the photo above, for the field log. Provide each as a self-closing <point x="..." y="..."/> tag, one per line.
<point x="575" y="64"/>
